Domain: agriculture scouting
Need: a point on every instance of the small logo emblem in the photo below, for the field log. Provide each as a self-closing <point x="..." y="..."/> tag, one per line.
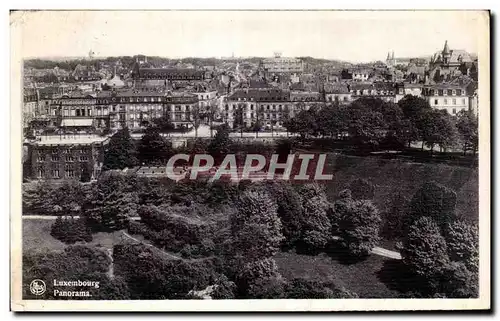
<point x="37" y="287"/>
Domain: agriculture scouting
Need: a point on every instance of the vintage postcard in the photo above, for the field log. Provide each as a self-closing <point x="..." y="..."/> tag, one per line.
<point x="314" y="160"/>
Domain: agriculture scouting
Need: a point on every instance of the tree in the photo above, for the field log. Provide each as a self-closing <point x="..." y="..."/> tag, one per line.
<point x="437" y="128"/>
<point x="290" y="212"/>
<point x="413" y="106"/>
<point x="164" y="124"/>
<point x="253" y="271"/>
<point x="366" y="125"/>
<point x="463" y="244"/>
<point x="316" y="226"/>
<point x="467" y="126"/>
<point x="219" y="146"/>
<point x="153" y="148"/>
<point x="394" y="215"/>
<point x="435" y="201"/>
<point x="256" y="227"/>
<point x="71" y="230"/>
<point x="224" y="289"/>
<point x="424" y="250"/>
<point x="114" y="199"/>
<point x="359" y="225"/>
<point x="120" y="152"/>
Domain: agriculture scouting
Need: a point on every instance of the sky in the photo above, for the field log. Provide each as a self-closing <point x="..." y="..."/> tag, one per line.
<point x="354" y="36"/>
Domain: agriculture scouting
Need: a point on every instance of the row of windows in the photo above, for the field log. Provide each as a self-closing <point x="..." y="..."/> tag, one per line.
<point x="445" y="101"/>
<point x="143" y="99"/>
<point x="447" y="92"/>
<point x="268" y="107"/>
<point x="166" y="76"/>
<point x="55" y="173"/>
<point x="253" y="115"/>
<point x="278" y="98"/>
<point x="56" y="158"/>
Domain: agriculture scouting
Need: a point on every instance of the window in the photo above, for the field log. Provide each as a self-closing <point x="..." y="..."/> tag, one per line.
<point x="40" y="158"/>
<point x="55" y="173"/>
<point x="454" y="101"/>
<point x="436" y="101"/>
<point x="70" y="172"/>
<point x="446" y="101"/>
<point x="41" y="172"/>
<point x="83" y="158"/>
<point x="70" y="158"/>
<point x="55" y="157"/>
<point x="251" y="107"/>
<point x="450" y="92"/>
<point x="463" y="101"/>
<point x="459" y="92"/>
<point x="440" y="92"/>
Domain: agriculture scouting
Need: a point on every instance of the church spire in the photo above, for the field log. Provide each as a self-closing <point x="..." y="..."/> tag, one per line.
<point x="446" y="49"/>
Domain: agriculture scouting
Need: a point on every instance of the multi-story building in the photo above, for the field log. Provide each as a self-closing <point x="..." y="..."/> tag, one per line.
<point x="278" y="64"/>
<point x="142" y="107"/>
<point x="30" y="105"/>
<point x="162" y="77"/>
<point x="445" y="96"/>
<point x="408" y="88"/>
<point x="265" y="106"/>
<point x="65" y="157"/>
<point x="112" y="110"/>
<point x="305" y="100"/>
<point x="337" y="92"/>
<point x="383" y="90"/>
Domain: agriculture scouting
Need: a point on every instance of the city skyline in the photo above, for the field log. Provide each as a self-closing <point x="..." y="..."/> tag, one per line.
<point x="333" y="35"/>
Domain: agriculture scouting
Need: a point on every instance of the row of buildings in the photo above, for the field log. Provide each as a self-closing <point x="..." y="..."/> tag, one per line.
<point x="71" y="123"/>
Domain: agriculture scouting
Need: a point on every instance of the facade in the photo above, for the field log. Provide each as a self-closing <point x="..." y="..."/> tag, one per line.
<point x="267" y="107"/>
<point x="278" y="64"/>
<point x="449" y="97"/>
<point x="66" y="157"/>
<point x="360" y="74"/>
<point x="112" y="110"/>
<point x="406" y="88"/>
<point x="383" y="90"/>
<point x="338" y="92"/>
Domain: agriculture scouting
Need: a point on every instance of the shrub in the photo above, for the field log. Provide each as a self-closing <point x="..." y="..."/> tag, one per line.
<point x="252" y="271"/>
<point x="309" y="289"/>
<point x="459" y="282"/>
<point x="71" y="230"/>
<point x="462" y="239"/>
<point x="224" y="289"/>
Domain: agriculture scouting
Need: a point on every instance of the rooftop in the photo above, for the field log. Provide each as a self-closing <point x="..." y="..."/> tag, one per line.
<point x="69" y="140"/>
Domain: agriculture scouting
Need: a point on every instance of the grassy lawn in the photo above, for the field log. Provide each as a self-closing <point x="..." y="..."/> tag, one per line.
<point x="36" y="236"/>
<point x="364" y="278"/>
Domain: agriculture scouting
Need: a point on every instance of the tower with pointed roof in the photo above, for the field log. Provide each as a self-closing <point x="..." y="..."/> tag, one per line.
<point x="446" y="53"/>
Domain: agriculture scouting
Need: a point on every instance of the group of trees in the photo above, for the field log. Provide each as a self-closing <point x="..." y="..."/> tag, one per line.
<point x="374" y="122"/>
<point x="439" y="248"/>
<point x="243" y="226"/>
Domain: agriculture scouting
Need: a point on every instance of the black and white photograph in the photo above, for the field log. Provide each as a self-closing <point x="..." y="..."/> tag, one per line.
<point x="250" y="160"/>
